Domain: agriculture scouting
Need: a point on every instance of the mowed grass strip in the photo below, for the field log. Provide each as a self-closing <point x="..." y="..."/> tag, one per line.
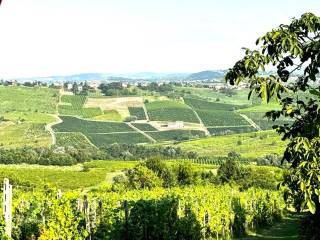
<point x="138" y="112"/>
<point x="101" y="140"/>
<point x="170" y="111"/>
<point x="73" y="124"/>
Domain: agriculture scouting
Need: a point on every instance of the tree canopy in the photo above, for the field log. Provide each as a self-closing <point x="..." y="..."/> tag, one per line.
<point x="294" y="51"/>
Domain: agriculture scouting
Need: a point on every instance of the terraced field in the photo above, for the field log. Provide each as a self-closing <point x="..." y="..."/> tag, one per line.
<point x="170" y="111"/>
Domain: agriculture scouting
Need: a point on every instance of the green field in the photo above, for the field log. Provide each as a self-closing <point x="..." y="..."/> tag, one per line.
<point x="170" y="111"/>
<point x="27" y="99"/>
<point x="138" y="112"/>
<point x="176" y="135"/>
<point x="72" y="124"/>
<point x="23" y="134"/>
<point x="249" y="145"/>
<point x="101" y="140"/>
<point x="66" y="178"/>
<point x="144" y="127"/>
<point x="109" y="115"/>
<point x="241" y="97"/>
<point x="206" y="105"/>
<point x="230" y="130"/>
<point x="73" y="139"/>
<point x="74" y="105"/>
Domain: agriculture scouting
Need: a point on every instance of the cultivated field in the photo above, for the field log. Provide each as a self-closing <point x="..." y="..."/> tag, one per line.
<point x="249" y="145"/>
<point x="170" y="111"/>
<point x="23" y="134"/>
<point x="120" y="104"/>
<point x="25" y="99"/>
<point x="74" y="106"/>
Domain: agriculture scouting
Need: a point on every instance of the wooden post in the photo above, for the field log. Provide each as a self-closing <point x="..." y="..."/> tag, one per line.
<point x="7" y="206"/>
<point x="126" y="216"/>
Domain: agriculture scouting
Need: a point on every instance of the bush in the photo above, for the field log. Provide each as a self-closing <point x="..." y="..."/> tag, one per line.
<point x="141" y="177"/>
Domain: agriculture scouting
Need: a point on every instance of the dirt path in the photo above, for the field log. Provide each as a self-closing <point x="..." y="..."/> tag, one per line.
<point x="252" y="123"/>
<point x="287" y="229"/>
<point x="143" y="133"/>
<point x="50" y="130"/>
<point x="201" y="123"/>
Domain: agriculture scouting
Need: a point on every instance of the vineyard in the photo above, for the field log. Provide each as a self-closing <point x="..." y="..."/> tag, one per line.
<point x="176" y="135"/>
<point x="24" y="99"/>
<point x="74" y="106"/>
<point x="201" y="212"/>
<point x="72" y="124"/>
<point x="144" y="127"/>
<point x="170" y="111"/>
<point x="138" y="112"/>
<point x="101" y="140"/>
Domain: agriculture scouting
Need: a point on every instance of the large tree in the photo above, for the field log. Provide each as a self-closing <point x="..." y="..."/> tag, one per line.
<point x="294" y="52"/>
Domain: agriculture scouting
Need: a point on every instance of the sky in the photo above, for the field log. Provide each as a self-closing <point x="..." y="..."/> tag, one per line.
<point x="61" y="37"/>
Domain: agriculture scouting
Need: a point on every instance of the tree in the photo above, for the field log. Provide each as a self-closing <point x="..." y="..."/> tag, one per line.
<point x="294" y="50"/>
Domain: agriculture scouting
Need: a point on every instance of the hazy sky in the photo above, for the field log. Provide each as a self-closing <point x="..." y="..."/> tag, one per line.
<point x="51" y="37"/>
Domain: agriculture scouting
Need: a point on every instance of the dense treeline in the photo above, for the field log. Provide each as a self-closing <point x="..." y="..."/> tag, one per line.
<point x="158" y="173"/>
<point x="117" y="89"/>
<point x="70" y="155"/>
<point x="66" y="156"/>
<point x="48" y="156"/>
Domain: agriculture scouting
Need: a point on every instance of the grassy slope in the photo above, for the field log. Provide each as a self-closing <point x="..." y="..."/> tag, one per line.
<point x="252" y="144"/>
<point x="287" y="229"/>
<point x="65" y="178"/>
<point x="25" y="99"/>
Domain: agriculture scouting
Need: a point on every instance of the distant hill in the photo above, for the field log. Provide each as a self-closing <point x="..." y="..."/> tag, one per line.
<point x="110" y="76"/>
<point x="206" y="75"/>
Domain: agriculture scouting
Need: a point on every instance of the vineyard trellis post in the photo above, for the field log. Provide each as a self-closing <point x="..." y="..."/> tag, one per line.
<point x="7" y="206"/>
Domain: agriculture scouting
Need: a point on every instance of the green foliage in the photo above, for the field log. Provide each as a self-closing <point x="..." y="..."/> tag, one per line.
<point x="141" y="177"/>
<point x="291" y="48"/>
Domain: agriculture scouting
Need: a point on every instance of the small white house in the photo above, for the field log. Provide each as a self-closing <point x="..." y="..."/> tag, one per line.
<point x="80" y="88"/>
<point x="69" y="86"/>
